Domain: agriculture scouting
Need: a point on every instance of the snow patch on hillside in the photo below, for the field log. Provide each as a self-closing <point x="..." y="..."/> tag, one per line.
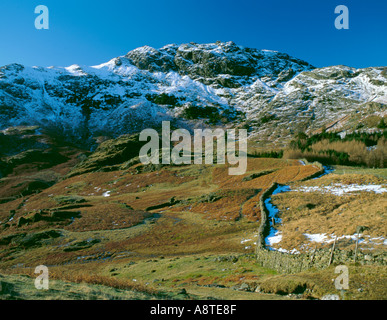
<point x="341" y="189"/>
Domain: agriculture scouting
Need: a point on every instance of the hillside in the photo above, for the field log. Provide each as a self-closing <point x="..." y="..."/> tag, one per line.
<point x="75" y="197"/>
<point x="272" y="94"/>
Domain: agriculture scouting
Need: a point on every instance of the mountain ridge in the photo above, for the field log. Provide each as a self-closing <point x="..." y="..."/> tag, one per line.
<point x="272" y="94"/>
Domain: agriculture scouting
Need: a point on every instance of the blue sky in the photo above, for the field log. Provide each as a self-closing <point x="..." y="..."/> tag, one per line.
<point x="91" y="32"/>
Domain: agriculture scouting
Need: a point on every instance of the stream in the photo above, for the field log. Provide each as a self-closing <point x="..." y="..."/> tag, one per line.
<point x="274" y="235"/>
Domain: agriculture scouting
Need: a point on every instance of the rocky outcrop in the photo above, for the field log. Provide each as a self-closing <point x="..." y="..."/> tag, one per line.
<point x="35" y="239"/>
<point x="109" y="154"/>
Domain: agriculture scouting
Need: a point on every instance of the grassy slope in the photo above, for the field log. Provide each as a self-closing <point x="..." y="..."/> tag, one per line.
<point x="164" y="250"/>
<point x="316" y="212"/>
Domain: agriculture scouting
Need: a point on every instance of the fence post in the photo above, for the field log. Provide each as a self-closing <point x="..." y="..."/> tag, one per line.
<point x="333" y="249"/>
<point x="357" y="241"/>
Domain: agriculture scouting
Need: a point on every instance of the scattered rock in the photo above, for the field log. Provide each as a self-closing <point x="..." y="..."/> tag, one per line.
<point x="242" y="287"/>
<point x="331" y="297"/>
<point x="214" y="285"/>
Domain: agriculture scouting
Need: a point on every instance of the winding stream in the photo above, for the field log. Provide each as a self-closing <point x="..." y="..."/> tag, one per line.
<point x="274" y="235"/>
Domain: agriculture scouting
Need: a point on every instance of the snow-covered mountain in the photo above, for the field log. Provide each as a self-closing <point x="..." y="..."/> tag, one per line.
<point x="271" y="93"/>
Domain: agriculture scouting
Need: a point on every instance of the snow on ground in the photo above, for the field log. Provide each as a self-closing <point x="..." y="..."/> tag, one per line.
<point x="273" y="238"/>
<point x="323" y="238"/>
<point x="317" y="237"/>
<point x="364" y="239"/>
<point x="341" y="189"/>
<point x="106" y="194"/>
<point x="293" y="251"/>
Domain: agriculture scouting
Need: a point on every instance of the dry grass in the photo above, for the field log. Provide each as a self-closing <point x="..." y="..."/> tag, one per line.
<point x="22" y="287"/>
<point x="316" y="212"/>
<point x="108" y="216"/>
<point x="187" y="229"/>
<point x="365" y="283"/>
<point x="230" y="206"/>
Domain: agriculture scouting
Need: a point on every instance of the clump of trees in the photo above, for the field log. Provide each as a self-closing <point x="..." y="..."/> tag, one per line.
<point x="362" y="149"/>
<point x="267" y="154"/>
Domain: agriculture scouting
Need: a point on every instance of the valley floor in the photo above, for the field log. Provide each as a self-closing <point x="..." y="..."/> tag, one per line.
<point x="189" y="232"/>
